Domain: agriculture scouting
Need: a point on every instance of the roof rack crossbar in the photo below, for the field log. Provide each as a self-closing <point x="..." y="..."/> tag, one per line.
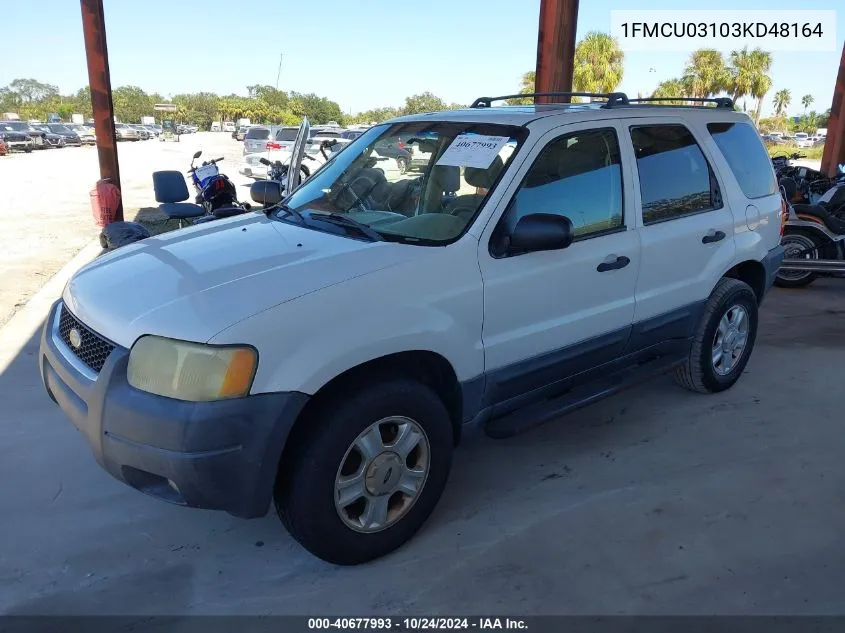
<point x="721" y="102"/>
<point x="613" y="98"/>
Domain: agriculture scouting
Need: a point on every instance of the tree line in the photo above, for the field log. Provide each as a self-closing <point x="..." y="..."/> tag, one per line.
<point x="32" y="99"/>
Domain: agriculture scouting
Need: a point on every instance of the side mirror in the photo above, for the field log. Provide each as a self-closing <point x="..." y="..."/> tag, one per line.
<point x="198" y="154"/>
<point x="540" y="232"/>
<point x="266" y="192"/>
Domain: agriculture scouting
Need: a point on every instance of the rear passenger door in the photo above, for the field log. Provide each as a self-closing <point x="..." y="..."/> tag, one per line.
<point x="686" y="229"/>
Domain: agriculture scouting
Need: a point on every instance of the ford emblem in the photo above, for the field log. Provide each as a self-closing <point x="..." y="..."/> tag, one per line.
<point x="75" y="338"/>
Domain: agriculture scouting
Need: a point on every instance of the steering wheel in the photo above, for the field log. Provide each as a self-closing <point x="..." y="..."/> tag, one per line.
<point x="347" y="187"/>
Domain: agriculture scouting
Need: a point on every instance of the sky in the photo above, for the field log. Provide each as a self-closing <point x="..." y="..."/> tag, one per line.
<point x="360" y="53"/>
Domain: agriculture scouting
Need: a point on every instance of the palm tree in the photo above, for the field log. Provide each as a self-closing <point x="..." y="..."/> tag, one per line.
<point x="749" y="76"/>
<point x="705" y="74"/>
<point x="782" y="100"/>
<point x="598" y="63"/>
<point x="806" y="100"/>
<point x="670" y="88"/>
<point x="527" y="86"/>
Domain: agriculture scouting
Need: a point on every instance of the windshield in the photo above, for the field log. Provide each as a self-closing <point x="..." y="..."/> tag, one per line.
<point x="258" y="133"/>
<point x="433" y="205"/>
<point x="59" y="129"/>
<point x="16" y="125"/>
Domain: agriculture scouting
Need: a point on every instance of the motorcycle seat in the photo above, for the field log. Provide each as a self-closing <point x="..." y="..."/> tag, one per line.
<point x="832" y="222"/>
<point x="181" y="210"/>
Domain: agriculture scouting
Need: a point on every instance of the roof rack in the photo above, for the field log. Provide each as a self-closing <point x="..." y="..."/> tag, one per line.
<point x="721" y="102"/>
<point x="613" y="98"/>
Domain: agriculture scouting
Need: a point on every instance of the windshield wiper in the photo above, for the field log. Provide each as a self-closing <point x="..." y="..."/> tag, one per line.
<point x="343" y="220"/>
<point x="288" y="211"/>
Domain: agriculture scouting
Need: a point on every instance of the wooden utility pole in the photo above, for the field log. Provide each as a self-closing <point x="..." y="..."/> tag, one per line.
<point x="834" y="146"/>
<point x="94" y="30"/>
<point x="556" y="48"/>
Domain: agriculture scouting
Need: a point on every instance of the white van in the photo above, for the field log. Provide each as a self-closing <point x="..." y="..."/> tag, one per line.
<point x="215" y="126"/>
<point x="229" y="126"/>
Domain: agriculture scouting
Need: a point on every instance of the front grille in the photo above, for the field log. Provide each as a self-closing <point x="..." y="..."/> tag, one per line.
<point x="93" y="350"/>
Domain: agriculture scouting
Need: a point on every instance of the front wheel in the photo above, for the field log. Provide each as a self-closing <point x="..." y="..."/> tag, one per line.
<point x="723" y="340"/>
<point x="366" y="470"/>
<point x="403" y="165"/>
<point x="797" y="246"/>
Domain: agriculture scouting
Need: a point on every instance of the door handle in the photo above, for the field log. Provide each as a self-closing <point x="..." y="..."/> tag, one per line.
<point x="713" y="236"/>
<point x="613" y="264"/>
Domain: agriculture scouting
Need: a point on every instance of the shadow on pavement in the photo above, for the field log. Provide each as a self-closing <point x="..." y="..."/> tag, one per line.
<point x="654" y="501"/>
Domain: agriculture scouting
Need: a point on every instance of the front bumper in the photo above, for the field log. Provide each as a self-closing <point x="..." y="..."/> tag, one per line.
<point x="19" y="145"/>
<point x="771" y="262"/>
<point x="220" y="455"/>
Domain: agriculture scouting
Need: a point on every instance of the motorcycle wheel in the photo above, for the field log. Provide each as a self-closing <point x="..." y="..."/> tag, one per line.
<point x="794" y="243"/>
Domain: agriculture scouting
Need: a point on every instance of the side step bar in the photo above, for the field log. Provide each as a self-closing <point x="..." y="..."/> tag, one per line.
<point x="814" y="265"/>
<point x="521" y="420"/>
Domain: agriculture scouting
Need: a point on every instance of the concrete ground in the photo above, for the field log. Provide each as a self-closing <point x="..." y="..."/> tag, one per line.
<point x="655" y="501"/>
<point x="46" y="207"/>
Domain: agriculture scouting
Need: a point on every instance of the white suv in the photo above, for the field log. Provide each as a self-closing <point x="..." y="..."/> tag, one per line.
<point x="327" y="353"/>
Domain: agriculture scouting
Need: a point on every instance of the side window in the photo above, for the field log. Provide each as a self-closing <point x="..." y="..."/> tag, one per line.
<point x="740" y="144"/>
<point x="675" y="178"/>
<point x="578" y="175"/>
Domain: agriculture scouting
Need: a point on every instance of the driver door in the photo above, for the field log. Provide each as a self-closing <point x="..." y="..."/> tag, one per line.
<point x="549" y="315"/>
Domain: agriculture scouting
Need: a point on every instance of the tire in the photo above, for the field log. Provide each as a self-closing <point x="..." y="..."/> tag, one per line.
<point x="701" y="372"/>
<point x="798" y="240"/>
<point x="403" y="165"/>
<point x="323" y="450"/>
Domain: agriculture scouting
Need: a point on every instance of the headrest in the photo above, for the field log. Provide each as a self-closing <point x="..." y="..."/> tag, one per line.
<point x="446" y="177"/>
<point x="170" y="186"/>
<point x="266" y="192"/>
<point x="484" y="178"/>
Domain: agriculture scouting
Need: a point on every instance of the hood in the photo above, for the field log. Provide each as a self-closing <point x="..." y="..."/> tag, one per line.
<point x="192" y="283"/>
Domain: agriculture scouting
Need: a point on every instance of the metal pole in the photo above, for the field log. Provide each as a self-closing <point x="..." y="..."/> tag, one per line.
<point x="834" y="147"/>
<point x="279" y="74"/>
<point x="94" y="30"/>
<point x="556" y="48"/>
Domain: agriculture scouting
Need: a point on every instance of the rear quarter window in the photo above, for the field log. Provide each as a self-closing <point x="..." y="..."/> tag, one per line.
<point x="746" y="156"/>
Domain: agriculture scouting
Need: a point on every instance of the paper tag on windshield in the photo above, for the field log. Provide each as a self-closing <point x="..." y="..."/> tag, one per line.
<point x="473" y="150"/>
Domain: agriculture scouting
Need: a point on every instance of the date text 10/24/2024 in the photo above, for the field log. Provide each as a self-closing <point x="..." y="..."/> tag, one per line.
<point x="417" y="624"/>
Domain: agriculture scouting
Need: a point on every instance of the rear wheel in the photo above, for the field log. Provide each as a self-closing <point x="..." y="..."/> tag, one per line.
<point x="797" y="245"/>
<point x="723" y="340"/>
<point x="366" y="471"/>
<point x="403" y="165"/>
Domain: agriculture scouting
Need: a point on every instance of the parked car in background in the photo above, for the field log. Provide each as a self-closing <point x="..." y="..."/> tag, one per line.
<point x="260" y="138"/>
<point x="85" y="133"/>
<point x="51" y="139"/>
<point x="70" y="136"/>
<point x="124" y="132"/>
<point x="14" y="139"/>
<point x="143" y="133"/>
<point x="395" y="149"/>
<point x="240" y="135"/>
<point x="802" y="139"/>
<point x="152" y="130"/>
<point x="35" y="135"/>
<point x="351" y="135"/>
<point x="229" y="126"/>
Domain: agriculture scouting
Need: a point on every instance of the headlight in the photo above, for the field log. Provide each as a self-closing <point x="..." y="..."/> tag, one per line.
<point x="191" y="371"/>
